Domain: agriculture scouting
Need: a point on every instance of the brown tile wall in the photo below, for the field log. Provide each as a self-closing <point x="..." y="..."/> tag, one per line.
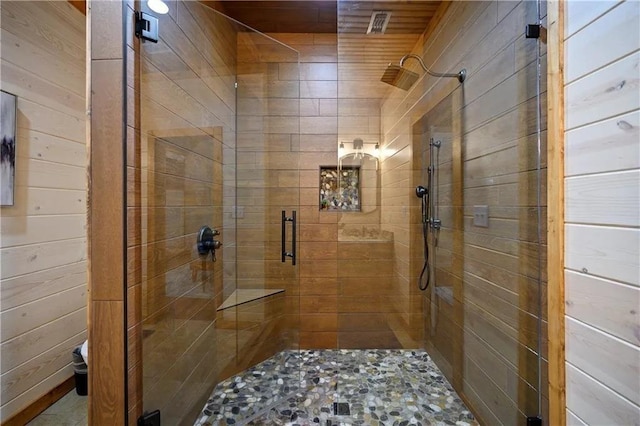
<point x="294" y="132"/>
<point x="342" y="295"/>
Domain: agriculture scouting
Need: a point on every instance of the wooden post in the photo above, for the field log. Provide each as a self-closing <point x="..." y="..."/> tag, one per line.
<point x="555" y="214"/>
<point x="106" y="223"/>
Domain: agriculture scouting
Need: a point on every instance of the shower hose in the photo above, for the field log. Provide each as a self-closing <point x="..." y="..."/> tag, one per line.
<point x="425" y="275"/>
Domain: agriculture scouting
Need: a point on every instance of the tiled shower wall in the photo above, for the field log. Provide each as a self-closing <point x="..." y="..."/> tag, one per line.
<point x="481" y="330"/>
<point x="267" y="179"/>
<point x="336" y="279"/>
<point x="347" y="293"/>
<point x="291" y="172"/>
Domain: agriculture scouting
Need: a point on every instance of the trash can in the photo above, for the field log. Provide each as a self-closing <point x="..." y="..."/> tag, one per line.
<point x="80" y="372"/>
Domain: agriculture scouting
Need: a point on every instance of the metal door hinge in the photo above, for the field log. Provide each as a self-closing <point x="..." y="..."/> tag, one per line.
<point x="532" y="31"/>
<point x="149" y="419"/>
<point x="534" y="421"/>
<point x="146" y="27"/>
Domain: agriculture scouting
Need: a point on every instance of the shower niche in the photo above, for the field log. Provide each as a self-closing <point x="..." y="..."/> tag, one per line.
<point x="353" y="185"/>
<point x="340" y="188"/>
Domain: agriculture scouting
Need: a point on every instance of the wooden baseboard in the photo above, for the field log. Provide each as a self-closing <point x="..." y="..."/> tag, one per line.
<point x="31" y="412"/>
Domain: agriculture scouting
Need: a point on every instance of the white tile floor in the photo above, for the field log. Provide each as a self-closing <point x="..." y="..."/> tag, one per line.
<point x="70" y="410"/>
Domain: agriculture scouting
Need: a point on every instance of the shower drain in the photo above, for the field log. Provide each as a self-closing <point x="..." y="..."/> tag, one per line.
<point x="341" y="409"/>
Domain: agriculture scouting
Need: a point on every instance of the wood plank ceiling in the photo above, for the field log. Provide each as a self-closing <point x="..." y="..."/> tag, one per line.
<point x="362" y="58"/>
<point x="310" y="16"/>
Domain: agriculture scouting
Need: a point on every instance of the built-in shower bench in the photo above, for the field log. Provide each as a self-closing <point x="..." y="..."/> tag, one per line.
<point x="242" y="296"/>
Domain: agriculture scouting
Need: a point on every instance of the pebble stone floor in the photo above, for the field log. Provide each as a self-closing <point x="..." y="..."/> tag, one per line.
<point x="338" y="387"/>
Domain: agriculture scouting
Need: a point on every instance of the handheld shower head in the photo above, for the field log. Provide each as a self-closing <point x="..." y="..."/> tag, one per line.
<point x="399" y="77"/>
<point x="421" y="191"/>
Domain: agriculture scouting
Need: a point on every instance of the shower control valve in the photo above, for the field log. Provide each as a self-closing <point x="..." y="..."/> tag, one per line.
<point x="436" y="223"/>
<point x="206" y="243"/>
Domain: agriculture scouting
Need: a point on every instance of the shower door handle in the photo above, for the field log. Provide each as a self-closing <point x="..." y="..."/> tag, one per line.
<point x="292" y="253"/>
<point x="283" y="236"/>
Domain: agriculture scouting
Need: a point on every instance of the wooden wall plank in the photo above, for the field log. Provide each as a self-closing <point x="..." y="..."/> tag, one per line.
<point x="38" y="147"/>
<point x="611" y="199"/>
<point x="606" y="146"/>
<point x="41" y="339"/>
<point x="48" y="201"/>
<point x="42" y="256"/>
<point x="606" y="93"/>
<point x="25" y="288"/>
<point x="36" y="57"/>
<point x="107" y="383"/>
<point x="29" y="316"/>
<point x="578" y="15"/>
<point x="603" y="270"/>
<point x="573" y="420"/>
<point x="43" y="235"/>
<point x="596" y="403"/>
<point x="66" y="40"/>
<point x="594" y="351"/>
<point x="44" y="174"/>
<point x="106" y="35"/>
<point x="106" y="189"/>
<point x="54" y="388"/>
<point x="604" y="304"/>
<point x="21" y="379"/>
<point x="49" y="120"/>
<point x="41" y="228"/>
<point x="604" y="251"/>
<point x="107" y="281"/>
<point x="607" y="39"/>
<point x="40" y="89"/>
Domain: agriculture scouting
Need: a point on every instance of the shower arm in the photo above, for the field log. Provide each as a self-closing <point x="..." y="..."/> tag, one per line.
<point x="460" y="75"/>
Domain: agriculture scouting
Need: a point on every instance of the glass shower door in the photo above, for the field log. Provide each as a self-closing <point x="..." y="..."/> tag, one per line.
<point x="437" y="145"/>
<point x="216" y="169"/>
<point x="267" y="209"/>
<point x="481" y="146"/>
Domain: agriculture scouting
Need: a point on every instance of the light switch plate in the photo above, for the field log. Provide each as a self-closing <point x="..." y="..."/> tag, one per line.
<point x="481" y="216"/>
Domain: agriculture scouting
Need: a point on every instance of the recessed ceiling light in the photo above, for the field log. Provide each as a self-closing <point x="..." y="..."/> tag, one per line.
<point x="158" y="6"/>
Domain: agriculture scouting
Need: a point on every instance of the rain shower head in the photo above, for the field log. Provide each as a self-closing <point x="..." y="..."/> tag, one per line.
<point x="399" y="77"/>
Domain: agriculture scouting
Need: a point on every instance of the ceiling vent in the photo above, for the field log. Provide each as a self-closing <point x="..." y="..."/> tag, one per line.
<point x="379" y="22"/>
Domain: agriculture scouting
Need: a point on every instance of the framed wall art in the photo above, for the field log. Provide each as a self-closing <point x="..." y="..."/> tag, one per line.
<point x="7" y="148"/>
